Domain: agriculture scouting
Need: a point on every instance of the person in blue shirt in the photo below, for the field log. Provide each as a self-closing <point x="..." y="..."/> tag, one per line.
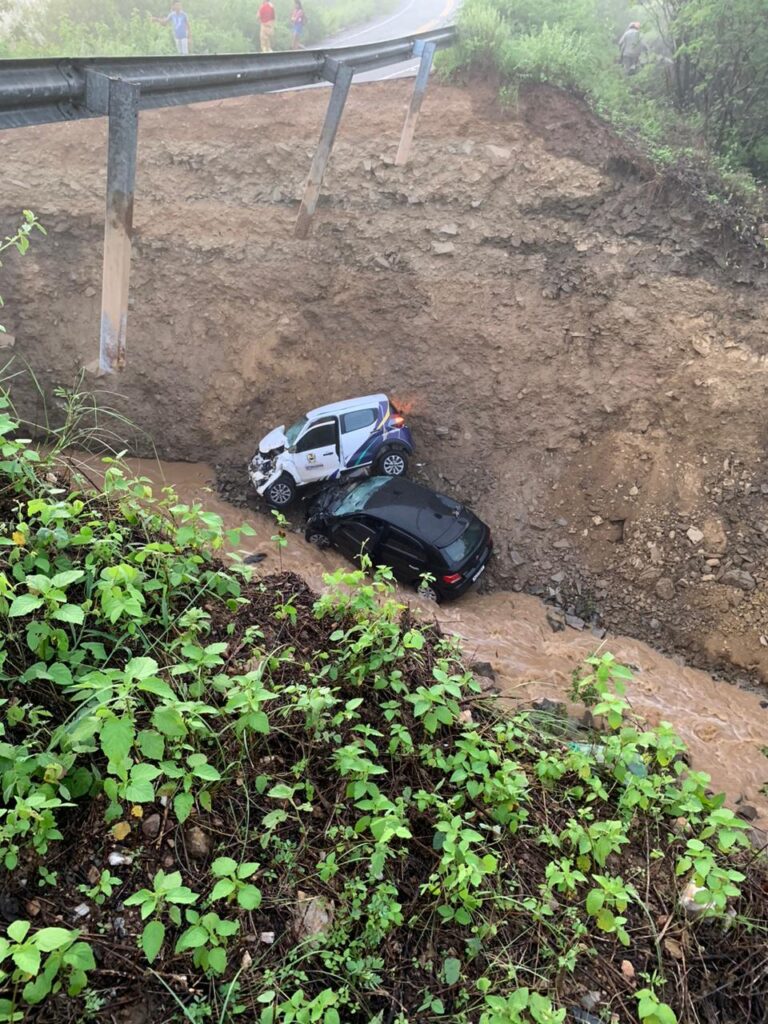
<point x="179" y="22"/>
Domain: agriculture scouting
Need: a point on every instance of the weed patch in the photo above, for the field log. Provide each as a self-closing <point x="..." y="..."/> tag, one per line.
<point x="230" y="799"/>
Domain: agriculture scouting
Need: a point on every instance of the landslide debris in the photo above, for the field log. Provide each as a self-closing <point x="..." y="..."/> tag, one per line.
<point x="225" y="796"/>
<point x="580" y="345"/>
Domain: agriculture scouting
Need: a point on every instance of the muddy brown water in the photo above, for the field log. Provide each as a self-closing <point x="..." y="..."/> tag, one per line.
<point x="725" y="728"/>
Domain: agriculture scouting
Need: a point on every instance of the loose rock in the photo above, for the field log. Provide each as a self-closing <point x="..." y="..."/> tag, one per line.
<point x="313" y="916"/>
<point x="151" y="826"/>
<point x="738" y="578"/>
<point x="198" y="843"/>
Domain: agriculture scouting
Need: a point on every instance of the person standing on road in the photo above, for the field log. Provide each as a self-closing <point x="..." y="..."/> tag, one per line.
<point x="298" y="21"/>
<point x="179" y="22"/>
<point x="267" y="19"/>
<point x="631" y="48"/>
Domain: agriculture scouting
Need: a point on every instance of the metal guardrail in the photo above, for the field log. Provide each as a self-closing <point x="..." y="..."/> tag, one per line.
<point x="47" y="90"/>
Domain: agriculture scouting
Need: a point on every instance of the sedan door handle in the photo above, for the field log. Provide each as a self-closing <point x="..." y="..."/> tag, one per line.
<point x="331" y="452"/>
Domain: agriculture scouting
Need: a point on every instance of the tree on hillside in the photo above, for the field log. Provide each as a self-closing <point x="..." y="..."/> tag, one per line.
<point x="720" y="62"/>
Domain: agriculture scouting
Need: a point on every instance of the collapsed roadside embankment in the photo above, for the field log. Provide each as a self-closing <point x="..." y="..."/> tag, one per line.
<point x="582" y="353"/>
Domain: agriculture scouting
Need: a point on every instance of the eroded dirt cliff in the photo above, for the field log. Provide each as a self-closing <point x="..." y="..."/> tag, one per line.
<point x="583" y="352"/>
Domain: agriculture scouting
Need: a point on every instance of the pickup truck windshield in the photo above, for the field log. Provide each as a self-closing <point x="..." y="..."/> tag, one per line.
<point x="292" y="433"/>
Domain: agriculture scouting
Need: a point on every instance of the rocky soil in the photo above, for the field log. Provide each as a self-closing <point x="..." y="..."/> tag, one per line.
<point x="582" y="350"/>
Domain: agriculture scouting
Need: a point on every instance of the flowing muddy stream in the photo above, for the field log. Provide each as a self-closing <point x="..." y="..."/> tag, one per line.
<point x="725" y="728"/>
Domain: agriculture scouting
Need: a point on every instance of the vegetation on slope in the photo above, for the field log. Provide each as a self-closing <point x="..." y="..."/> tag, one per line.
<point x="124" y="27"/>
<point x="700" y="96"/>
<point x="227" y="799"/>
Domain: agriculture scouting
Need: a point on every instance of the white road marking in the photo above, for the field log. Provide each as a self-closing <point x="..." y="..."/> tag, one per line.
<point x="378" y="25"/>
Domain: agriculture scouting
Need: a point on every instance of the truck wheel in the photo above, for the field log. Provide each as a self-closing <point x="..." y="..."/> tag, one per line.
<point x="392" y="463"/>
<point x="282" y="492"/>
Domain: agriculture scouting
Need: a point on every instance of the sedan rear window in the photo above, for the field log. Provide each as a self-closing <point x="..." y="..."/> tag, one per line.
<point x="460" y="549"/>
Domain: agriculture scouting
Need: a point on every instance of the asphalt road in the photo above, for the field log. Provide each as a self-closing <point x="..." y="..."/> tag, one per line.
<point x="411" y="16"/>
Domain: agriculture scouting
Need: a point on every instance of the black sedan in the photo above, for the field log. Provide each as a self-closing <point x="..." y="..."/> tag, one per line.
<point x="407" y="527"/>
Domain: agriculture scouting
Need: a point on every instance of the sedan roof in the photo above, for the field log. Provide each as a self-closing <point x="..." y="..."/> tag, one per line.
<point x="433" y="518"/>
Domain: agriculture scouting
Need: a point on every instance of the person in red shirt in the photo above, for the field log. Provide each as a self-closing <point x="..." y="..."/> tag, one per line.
<point x="267" y="19"/>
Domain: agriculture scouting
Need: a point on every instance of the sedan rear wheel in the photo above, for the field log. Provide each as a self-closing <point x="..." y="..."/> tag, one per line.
<point x="282" y="492"/>
<point x="392" y="463"/>
<point x="428" y="593"/>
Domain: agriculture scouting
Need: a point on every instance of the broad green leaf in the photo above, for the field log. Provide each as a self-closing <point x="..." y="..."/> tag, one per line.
<point x="49" y="939"/>
<point x="27" y="959"/>
<point x="223" y="888"/>
<point x="24" y="605"/>
<point x="605" y="920"/>
<point x="192" y="938"/>
<point x="70" y="613"/>
<point x="224" y="866"/>
<point x="151" y="744"/>
<point x="18" y="930"/>
<point x="116" y="738"/>
<point x="140" y="668"/>
<point x="182" y="806"/>
<point x="169" y="722"/>
<point x="249" y="897"/>
<point x="81" y="956"/>
<point x="595" y="900"/>
<point x="62" y="580"/>
<point x="152" y="939"/>
<point x="217" y="960"/>
<point x="281" y="792"/>
<point x="158" y="687"/>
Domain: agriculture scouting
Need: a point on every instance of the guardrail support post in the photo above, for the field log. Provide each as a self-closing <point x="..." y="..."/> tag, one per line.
<point x="341" y="83"/>
<point x="123" y="109"/>
<point x="417" y="98"/>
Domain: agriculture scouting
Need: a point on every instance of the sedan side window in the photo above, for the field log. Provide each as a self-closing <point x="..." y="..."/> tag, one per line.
<point x="358" y="420"/>
<point x="353" y="536"/>
<point x="324" y="434"/>
<point x="404" y="548"/>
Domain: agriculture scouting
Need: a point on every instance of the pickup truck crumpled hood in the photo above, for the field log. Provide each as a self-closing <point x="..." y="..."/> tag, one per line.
<point x="274" y="440"/>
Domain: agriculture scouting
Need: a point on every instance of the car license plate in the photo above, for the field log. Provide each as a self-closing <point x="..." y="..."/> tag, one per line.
<point x="478" y="574"/>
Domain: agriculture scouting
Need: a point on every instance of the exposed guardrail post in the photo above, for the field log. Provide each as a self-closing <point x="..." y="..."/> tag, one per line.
<point x="427" y="51"/>
<point x="341" y="76"/>
<point x="120" y="100"/>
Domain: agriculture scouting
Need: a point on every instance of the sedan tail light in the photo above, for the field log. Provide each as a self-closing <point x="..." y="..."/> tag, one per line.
<point x="396" y="420"/>
<point x="454" y="577"/>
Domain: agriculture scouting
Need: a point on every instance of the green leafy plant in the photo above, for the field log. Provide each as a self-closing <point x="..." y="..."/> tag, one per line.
<point x="167" y="895"/>
<point x="233" y="885"/>
<point x="42" y="962"/>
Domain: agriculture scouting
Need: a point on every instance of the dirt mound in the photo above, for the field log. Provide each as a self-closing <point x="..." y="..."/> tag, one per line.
<point x="583" y="356"/>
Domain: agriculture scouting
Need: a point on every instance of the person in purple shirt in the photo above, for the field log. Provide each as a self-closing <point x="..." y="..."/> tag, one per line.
<point x="179" y="22"/>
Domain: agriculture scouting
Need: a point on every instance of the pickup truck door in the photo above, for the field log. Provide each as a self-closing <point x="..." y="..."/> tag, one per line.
<point x="356" y="429"/>
<point x="317" y="452"/>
